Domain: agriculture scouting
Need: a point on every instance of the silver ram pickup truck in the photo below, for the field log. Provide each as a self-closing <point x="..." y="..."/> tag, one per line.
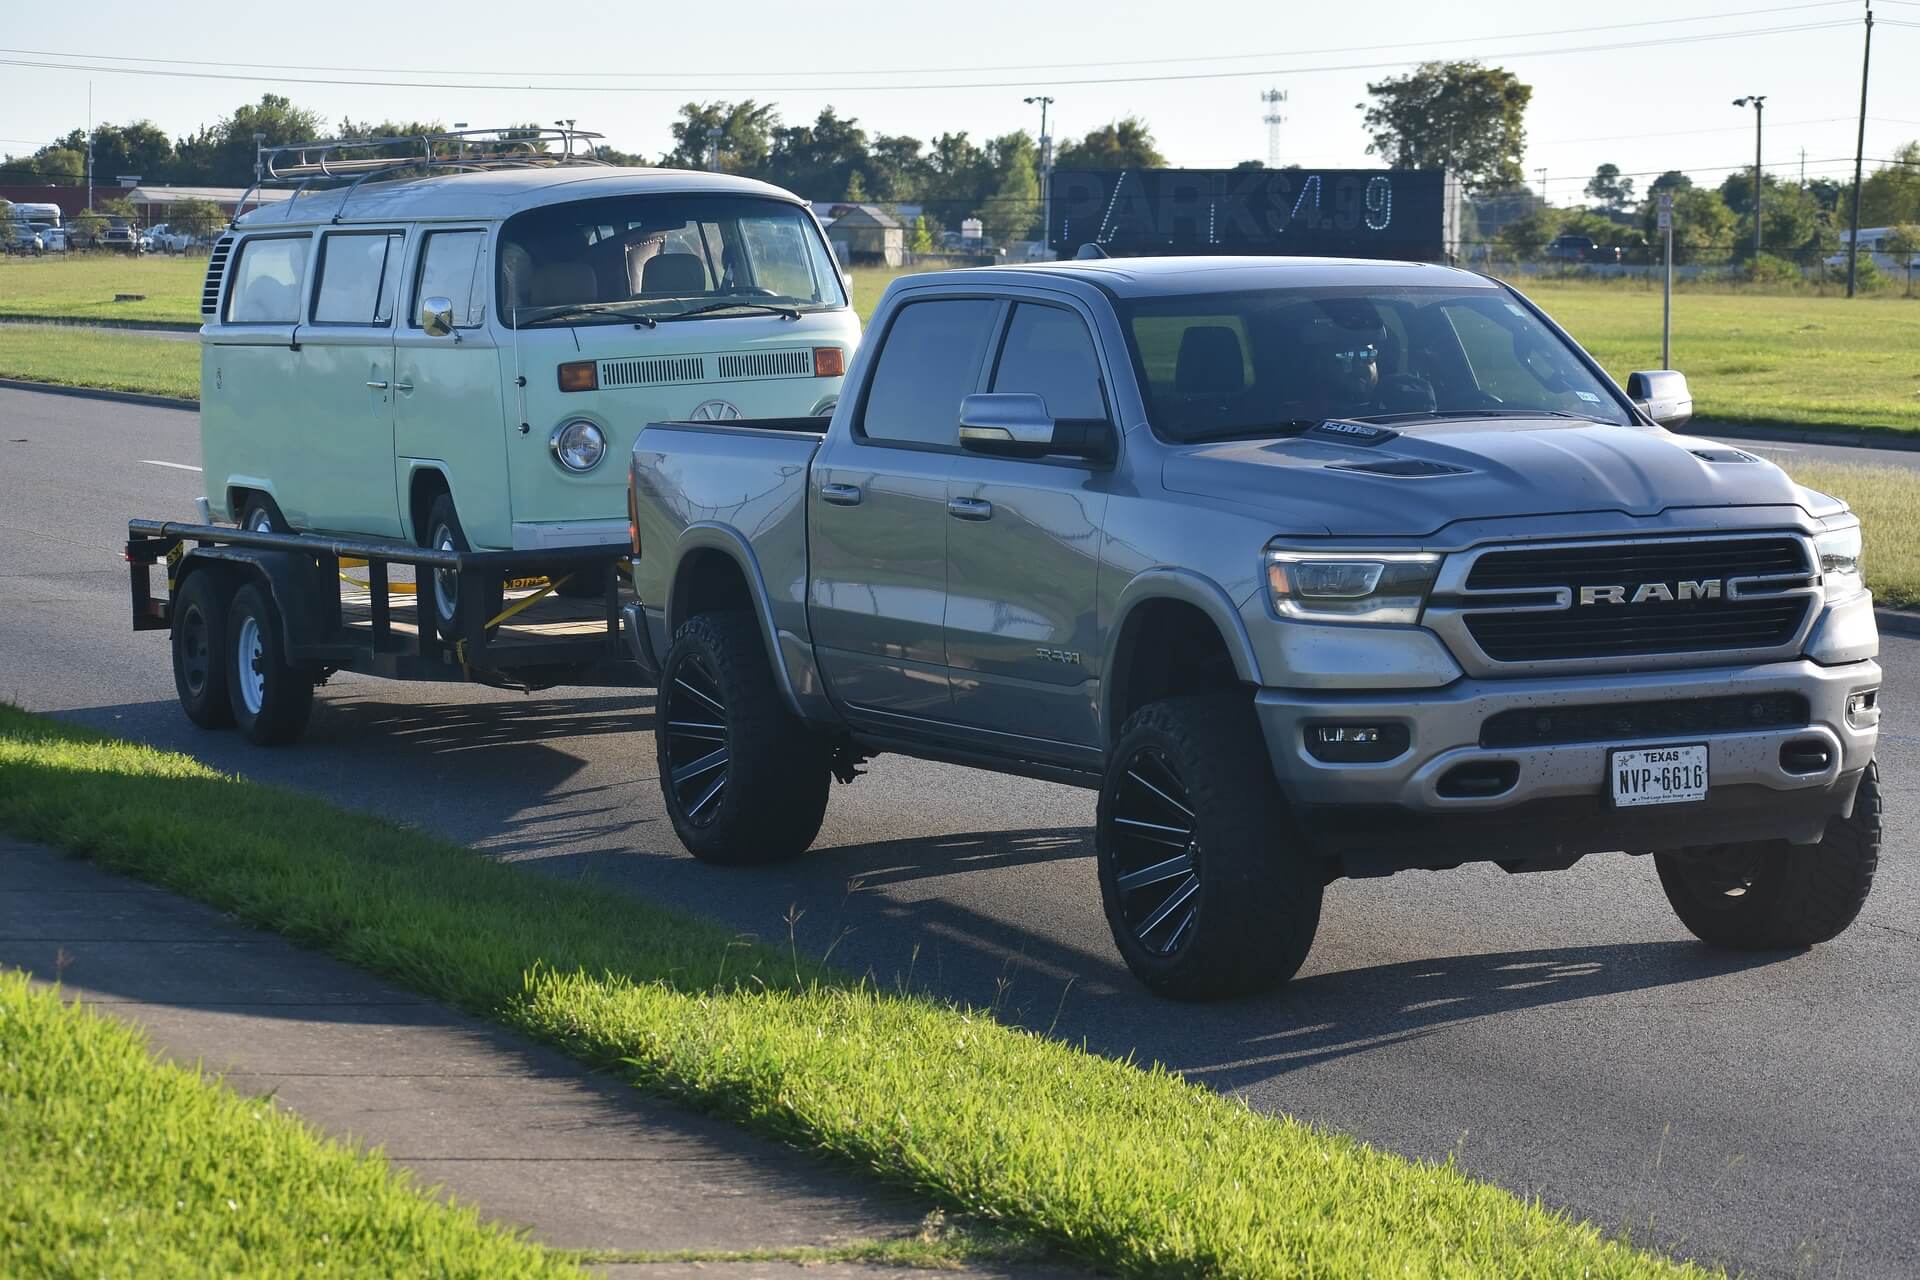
<point x="1310" y="568"/>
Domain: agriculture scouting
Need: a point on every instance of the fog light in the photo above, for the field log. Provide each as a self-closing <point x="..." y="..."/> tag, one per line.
<point x="1863" y="708"/>
<point x="1356" y="743"/>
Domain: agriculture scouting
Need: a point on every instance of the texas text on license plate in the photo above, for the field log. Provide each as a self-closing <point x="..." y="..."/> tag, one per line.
<point x="1658" y="775"/>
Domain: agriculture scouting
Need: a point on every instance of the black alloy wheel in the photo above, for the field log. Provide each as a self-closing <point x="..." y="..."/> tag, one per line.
<point x="1157" y="859"/>
<point x="696" y="738"/>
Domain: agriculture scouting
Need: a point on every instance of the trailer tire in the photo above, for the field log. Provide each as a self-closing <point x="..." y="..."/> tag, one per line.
<point x="271" y="698"/>
<point x="1768" y="895"/>
<point x="758" y="795"/>
<point x="442" y="588"/>
<point x="1208" y="888"/>
<point x="199" y="644"/>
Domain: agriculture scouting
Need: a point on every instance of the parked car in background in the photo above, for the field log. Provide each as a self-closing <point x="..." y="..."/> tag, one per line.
<point x="1874" y="245"/>
<point x="26" y="239"/>
<point x="121" y="235"/>
<point x="1571" y="248"/>
<point x="162" y="238"/>
<point x="54" y="240"/>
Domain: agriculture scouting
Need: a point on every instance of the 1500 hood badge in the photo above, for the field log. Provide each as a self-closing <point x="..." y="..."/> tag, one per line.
<point x="1653" y="592"/>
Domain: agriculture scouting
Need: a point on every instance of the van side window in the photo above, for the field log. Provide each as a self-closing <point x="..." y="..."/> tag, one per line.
<point x="357" y="276"/>
<point x="929" y="361"/>
<point x="1048" y="352"/>
<point x="450" y="268"/>
<point x="266" y="283"/>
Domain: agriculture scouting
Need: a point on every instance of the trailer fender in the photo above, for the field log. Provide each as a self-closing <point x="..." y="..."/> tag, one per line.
<point x="295" y="583"/>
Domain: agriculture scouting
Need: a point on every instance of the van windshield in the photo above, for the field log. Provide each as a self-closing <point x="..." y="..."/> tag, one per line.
<point x="1278" y="361"/>
<point x="609" y="261"/>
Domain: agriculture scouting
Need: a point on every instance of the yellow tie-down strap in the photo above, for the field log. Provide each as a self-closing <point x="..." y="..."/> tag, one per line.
<point x="408" y="588"/>
<point x="460" y="648"/>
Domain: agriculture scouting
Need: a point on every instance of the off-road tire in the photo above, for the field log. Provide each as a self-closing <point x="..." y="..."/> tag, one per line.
<point x="1257" y="893"/>
<point x="272" y="703"/>
<point x="443" y="531"/>
<point x="774" y="773"/>
<point x="199" y="644"/>
<point x="1793" y="896"/>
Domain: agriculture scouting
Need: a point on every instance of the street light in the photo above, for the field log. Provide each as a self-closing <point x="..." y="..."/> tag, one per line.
<point x="1046" y="166"/>
<point x="1759" y="103"/>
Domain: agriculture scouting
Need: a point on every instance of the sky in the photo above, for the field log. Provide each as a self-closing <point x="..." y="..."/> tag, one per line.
<point x="1650" y="96"/>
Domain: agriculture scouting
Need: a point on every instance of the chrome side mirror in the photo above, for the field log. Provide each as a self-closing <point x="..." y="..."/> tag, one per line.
<point x="1017" y="424"/>
<point x="436" y="316"/>
<point x="1662" y="395"/>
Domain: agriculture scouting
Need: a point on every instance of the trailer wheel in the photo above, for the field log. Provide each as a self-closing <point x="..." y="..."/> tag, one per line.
<point x="199" y="642"/>
<point x="1206" y="886"/>
<point x="271" y="698"/>
<point x="744" y="781"/>
<point x="445" y="534"/>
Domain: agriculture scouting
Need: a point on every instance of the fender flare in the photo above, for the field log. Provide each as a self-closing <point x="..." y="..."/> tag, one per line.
<point x="710" y="535"/>
<point x="1165" y="582"/>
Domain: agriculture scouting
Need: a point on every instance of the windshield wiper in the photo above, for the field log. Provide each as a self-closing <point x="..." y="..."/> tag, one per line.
<point x="1289" y="427"/>
<point x="729" y="304"/>
<point x="1414" y="415"/>
<point x="595" y="309"/>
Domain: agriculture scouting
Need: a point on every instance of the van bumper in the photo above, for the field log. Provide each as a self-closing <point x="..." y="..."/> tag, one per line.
<point x="538" y="535"/>
<point x="1512" y="769"/>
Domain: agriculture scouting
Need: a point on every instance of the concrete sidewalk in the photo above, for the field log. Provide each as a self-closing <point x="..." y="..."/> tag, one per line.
<point x="521" y="1132"/>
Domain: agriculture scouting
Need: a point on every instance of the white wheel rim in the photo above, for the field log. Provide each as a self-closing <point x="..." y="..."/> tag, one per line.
<point x="446" y="583"/>
<point x="262" y="522"/>
<point x="253" y="685"/>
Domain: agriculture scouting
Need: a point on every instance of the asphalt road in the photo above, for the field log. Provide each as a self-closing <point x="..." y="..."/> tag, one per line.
<point x="1560" y="1034"/>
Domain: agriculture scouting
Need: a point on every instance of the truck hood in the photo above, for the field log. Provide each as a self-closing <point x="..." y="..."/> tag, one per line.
<point x="1418" y="481"/>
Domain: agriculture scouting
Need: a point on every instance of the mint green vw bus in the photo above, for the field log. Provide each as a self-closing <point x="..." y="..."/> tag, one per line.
<point x="462" y="360"/>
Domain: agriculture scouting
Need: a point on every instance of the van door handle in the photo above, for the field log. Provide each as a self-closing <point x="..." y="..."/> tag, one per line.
<point x="403" y="386"/>
<point x="377" y="384"/>
<point x="841" y="495"/>
<point x="970" y="508"/>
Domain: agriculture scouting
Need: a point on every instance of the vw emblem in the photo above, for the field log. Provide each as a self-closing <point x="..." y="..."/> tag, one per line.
<point x="714" y="411"/>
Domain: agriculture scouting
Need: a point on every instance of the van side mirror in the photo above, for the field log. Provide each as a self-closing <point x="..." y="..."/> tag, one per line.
<point x="1662" y="395"/>
<point x="436" y="316"/>
<point x="1017" y="425"/>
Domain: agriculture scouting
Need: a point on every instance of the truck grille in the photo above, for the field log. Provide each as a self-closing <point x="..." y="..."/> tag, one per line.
<point x="1625" y="721"/>
<point x="1521" y="624"/>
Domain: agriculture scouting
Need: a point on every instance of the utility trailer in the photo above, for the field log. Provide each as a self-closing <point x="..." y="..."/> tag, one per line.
<point x="259" y="619"/>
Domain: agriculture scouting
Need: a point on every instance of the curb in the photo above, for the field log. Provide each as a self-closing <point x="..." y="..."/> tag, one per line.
<point x="1898" y="622"/>
<point x="1848" y="437"/>
<point x="77" y="322"/>
<point x="100" y="393"/>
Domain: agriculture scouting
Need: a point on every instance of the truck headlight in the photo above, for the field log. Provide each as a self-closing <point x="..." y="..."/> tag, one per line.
<point x="1840" y="573"/>
<point x="578" y="445"/>
<point x="1325" y="586"/>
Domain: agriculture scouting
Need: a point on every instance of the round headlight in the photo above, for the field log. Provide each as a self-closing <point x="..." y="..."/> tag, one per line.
<point x="579" y="445"/>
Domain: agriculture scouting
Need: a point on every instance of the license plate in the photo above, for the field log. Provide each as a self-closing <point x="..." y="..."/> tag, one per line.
<point x="1658" y="775"/>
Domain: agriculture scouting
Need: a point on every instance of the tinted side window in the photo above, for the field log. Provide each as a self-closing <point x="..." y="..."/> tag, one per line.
<point x="1049" y="353"/>
<point x="356" y="279"/>
<point x="450" y="268"/>
<point x="266" y="283"/>
<point x="930" y="361"/>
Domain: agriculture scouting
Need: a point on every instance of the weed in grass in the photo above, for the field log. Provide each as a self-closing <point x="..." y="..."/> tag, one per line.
<point x="1130" y="1168"/>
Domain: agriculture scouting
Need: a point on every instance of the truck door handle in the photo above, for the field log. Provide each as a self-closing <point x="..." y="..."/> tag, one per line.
<point x="970" y="508"/>
<point x="377" y="384"/>
<point x="841" y="495"/>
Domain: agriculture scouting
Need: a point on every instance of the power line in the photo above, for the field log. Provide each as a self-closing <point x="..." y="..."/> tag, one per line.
<point x="904" y="87"/>
<point x="730" y="75"/>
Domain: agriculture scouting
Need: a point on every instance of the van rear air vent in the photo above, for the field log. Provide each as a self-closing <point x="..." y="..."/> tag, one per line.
<point x="653" y="371"/>
<point x="1401" y="467"/>
<point x="216" y="271"/>
<point x="767" y="364"/>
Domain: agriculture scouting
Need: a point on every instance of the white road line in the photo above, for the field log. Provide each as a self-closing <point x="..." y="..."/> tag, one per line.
<point x="177" y="466"/>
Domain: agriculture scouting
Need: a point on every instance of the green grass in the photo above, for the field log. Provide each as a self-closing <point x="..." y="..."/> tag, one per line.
<point x="81" y="286"/>
<point x="1122" y="1165"/>
<point x="116" y="1164"/>
<point x="79" y="357"/>
<point x="1887" y="500"/>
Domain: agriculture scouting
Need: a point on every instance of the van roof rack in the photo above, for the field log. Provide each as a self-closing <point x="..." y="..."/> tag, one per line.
<point x="358" y="160"/>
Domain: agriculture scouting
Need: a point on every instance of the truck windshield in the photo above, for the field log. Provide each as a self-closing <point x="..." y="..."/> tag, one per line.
<point x="1277" y="361"/>
<point x="603" y="261"/>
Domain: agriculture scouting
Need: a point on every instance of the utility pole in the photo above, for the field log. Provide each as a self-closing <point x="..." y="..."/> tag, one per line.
<point x="1758" y="101"/>
<point x="714" y="134"/>
<point x="1666" y="296"/>
<point x="89" y="146"/>
<point x="1542" y="171"/>
<point x="1272" y="98"/>
<point x="1859" y="153"/>
<point x="1046" y="166"/>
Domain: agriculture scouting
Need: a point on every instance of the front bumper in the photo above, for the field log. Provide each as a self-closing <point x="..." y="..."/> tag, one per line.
<point x="1566" y="782"/>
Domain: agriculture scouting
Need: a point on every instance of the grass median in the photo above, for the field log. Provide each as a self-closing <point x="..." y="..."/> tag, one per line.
<point x="117" y="1164"/>
<point x="83" y="286"/>
<point x="73" y="356"/>
<point x="1122" y="1165"/>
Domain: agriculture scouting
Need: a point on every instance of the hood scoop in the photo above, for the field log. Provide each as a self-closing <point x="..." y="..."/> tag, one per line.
<point x="1405" y="468"/>
<point x="1723" y="455"/>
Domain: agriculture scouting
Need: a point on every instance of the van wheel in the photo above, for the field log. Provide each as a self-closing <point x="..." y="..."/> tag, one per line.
<point x="1207" y="887"/>
<point x="262" y="515"/>
<point x="271" y="699"/>
<point x="199" y="642"/>
<point x="445" y="534"/>
<point x="1769" y="894"/>
<point x="743" y="780"/>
